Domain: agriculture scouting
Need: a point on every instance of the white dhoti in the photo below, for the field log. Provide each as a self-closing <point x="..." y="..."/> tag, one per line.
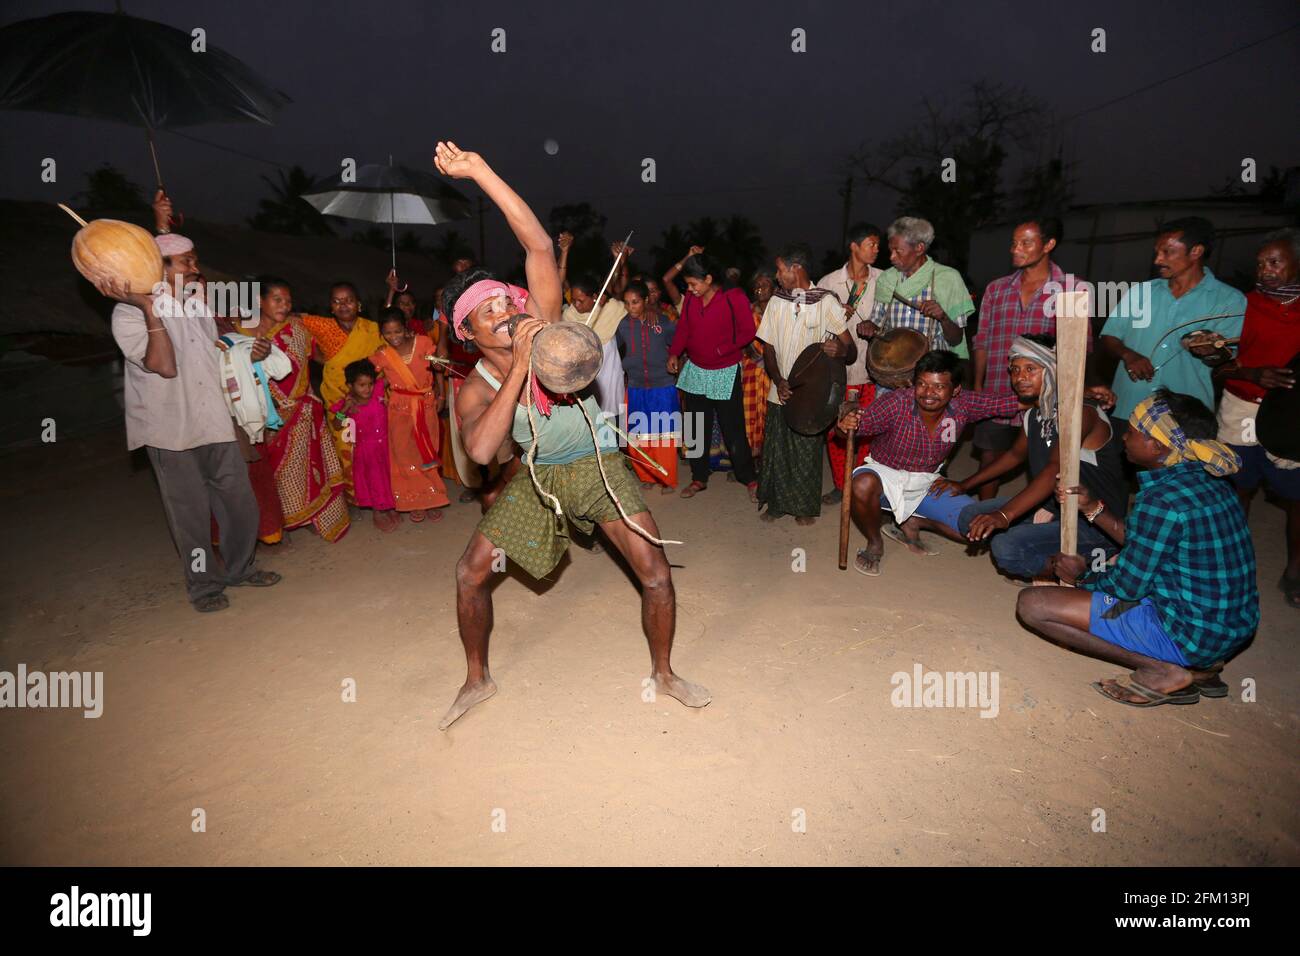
<point x="1237" y="420"/>
<point x="904" y="490"/>
<point x="610" y="381"/>
<point x="1237" y="427"/>
<point x="610" y="387"/>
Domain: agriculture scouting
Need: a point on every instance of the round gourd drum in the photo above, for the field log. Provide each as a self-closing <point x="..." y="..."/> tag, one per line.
<point x="109" y="248"/>
<point x="893" y="354"/>
<point x="566" y="356"/>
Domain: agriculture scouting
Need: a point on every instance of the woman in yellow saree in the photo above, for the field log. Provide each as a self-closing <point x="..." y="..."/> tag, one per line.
<point x="341" y="339"/>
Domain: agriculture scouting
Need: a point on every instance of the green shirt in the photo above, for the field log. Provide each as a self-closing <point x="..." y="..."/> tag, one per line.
<point x="948" y="290"/>
<point x="1141" y="320"/>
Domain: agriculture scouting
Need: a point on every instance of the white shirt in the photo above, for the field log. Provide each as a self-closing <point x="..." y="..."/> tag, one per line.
<point x="178" y="413"/>
<point x="841" y="284"/>
<point x="606" y="322"/>
<point x="790" y="327"/>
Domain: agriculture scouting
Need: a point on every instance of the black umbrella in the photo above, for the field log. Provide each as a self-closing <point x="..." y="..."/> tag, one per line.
<point x="117" y="67"/>
<point x="391" y="194"/>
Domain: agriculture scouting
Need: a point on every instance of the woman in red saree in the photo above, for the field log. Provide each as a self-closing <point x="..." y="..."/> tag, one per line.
<point x="299" y="457"/>
<point x="413" y="399"/>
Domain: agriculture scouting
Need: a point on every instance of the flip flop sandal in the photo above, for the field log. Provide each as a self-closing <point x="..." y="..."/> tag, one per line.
<point x="1154" y="698"/>
<point x="693" y="489"/>
<point x="1213" y="688"/>
<point x="417" y="517"/>
<point x="871" y="560"/>
<point x="258" y="579"/>
<point x="211" y="602"/>
<point x="895" y="532"/>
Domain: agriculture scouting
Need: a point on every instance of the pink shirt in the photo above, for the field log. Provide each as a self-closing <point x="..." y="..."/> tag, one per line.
<point x="714" y="335"/>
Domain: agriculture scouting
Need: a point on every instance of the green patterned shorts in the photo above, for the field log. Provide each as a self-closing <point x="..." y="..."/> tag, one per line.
<point x="522" y="524"/>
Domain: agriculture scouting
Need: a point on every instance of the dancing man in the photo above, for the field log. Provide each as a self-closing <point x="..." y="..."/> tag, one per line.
<point x="492" y="404"/>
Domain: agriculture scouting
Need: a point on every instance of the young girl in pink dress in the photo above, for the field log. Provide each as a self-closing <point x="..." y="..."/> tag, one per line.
<point x="364" y="407"/>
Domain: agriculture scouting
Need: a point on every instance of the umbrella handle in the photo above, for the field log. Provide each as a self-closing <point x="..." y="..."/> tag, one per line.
<point x="179" y="218"/>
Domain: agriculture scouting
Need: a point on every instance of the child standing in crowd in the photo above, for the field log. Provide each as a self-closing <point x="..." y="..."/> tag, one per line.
<point x="413" y="398"/>
<point x="362" y="413"/>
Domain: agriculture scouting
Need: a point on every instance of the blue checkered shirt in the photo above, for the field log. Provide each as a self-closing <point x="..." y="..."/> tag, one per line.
<point x="1188" y="549"/>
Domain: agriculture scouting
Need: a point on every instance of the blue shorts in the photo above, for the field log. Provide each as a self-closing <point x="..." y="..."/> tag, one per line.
<point x="943" y="508"/>
<point x="1134" y="627"/>
<point x="1257" y="470"/>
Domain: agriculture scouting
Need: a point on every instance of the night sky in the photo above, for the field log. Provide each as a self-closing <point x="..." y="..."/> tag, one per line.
<point x="735" y="121"/>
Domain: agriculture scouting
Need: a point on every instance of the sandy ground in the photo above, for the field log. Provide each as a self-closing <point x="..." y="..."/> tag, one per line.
<point x="241" y="713"/>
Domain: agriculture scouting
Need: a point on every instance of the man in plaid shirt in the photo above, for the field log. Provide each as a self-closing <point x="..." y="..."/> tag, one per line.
<point x="1181" y="598"/>
<point x="1021" y="303"/>
<point x="912" y="431"/>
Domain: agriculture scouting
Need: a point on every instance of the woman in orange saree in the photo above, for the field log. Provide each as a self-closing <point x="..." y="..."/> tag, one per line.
<point x="413" y="399"/>
<point x="299" y="456"/>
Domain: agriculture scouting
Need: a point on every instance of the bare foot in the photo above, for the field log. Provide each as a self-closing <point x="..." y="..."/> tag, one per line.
<point x="469" y="695"/>
<point x="805" y="520"/>
<point x="909" y="535"/>
<point x="692" y="695"/>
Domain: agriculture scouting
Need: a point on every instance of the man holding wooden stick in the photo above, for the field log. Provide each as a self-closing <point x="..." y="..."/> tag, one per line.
<point x="1181" y="598"/>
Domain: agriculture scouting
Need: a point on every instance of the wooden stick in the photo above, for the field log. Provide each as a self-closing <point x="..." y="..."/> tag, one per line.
<point x="153" y="152"/>
<point x="847" y="500"/>
<point x="595" y="307"/>
<point x="72" y="214"/>
<point x="1071" y="353"/>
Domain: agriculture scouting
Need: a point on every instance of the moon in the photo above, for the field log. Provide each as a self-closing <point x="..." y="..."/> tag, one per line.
<point x="551" y="147"/>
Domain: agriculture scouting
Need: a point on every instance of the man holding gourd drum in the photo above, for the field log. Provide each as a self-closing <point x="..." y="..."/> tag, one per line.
<point x="173" y="402"/>
<point x="569" y="474"/>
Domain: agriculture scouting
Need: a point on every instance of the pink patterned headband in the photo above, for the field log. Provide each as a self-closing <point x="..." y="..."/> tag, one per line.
<point x="477" y="294"/>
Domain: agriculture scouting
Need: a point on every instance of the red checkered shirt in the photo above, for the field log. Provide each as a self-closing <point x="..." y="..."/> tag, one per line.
<point x="1003" y="317"/>
<point x="898" y="436"/>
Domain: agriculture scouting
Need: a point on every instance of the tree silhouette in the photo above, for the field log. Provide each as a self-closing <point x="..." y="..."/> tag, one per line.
<point x="1271" y="189"/>
<point x="590" y="252"/>
<point x="450" y="247"/>
<point x="372" y="236"/>
<point x="1044" y="190"/>
<point x="977" y="135"/>
<point x="107" y="188"/>
<point x="286" y="211"/>
<point x="735" y="241"/>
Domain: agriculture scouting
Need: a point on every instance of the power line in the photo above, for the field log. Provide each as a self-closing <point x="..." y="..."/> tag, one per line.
<point x="1181" y="74"/>
<point x="787" y="186"/>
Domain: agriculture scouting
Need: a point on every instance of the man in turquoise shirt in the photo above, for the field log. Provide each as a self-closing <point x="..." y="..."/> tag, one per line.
<point x="1143" y="331"/>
